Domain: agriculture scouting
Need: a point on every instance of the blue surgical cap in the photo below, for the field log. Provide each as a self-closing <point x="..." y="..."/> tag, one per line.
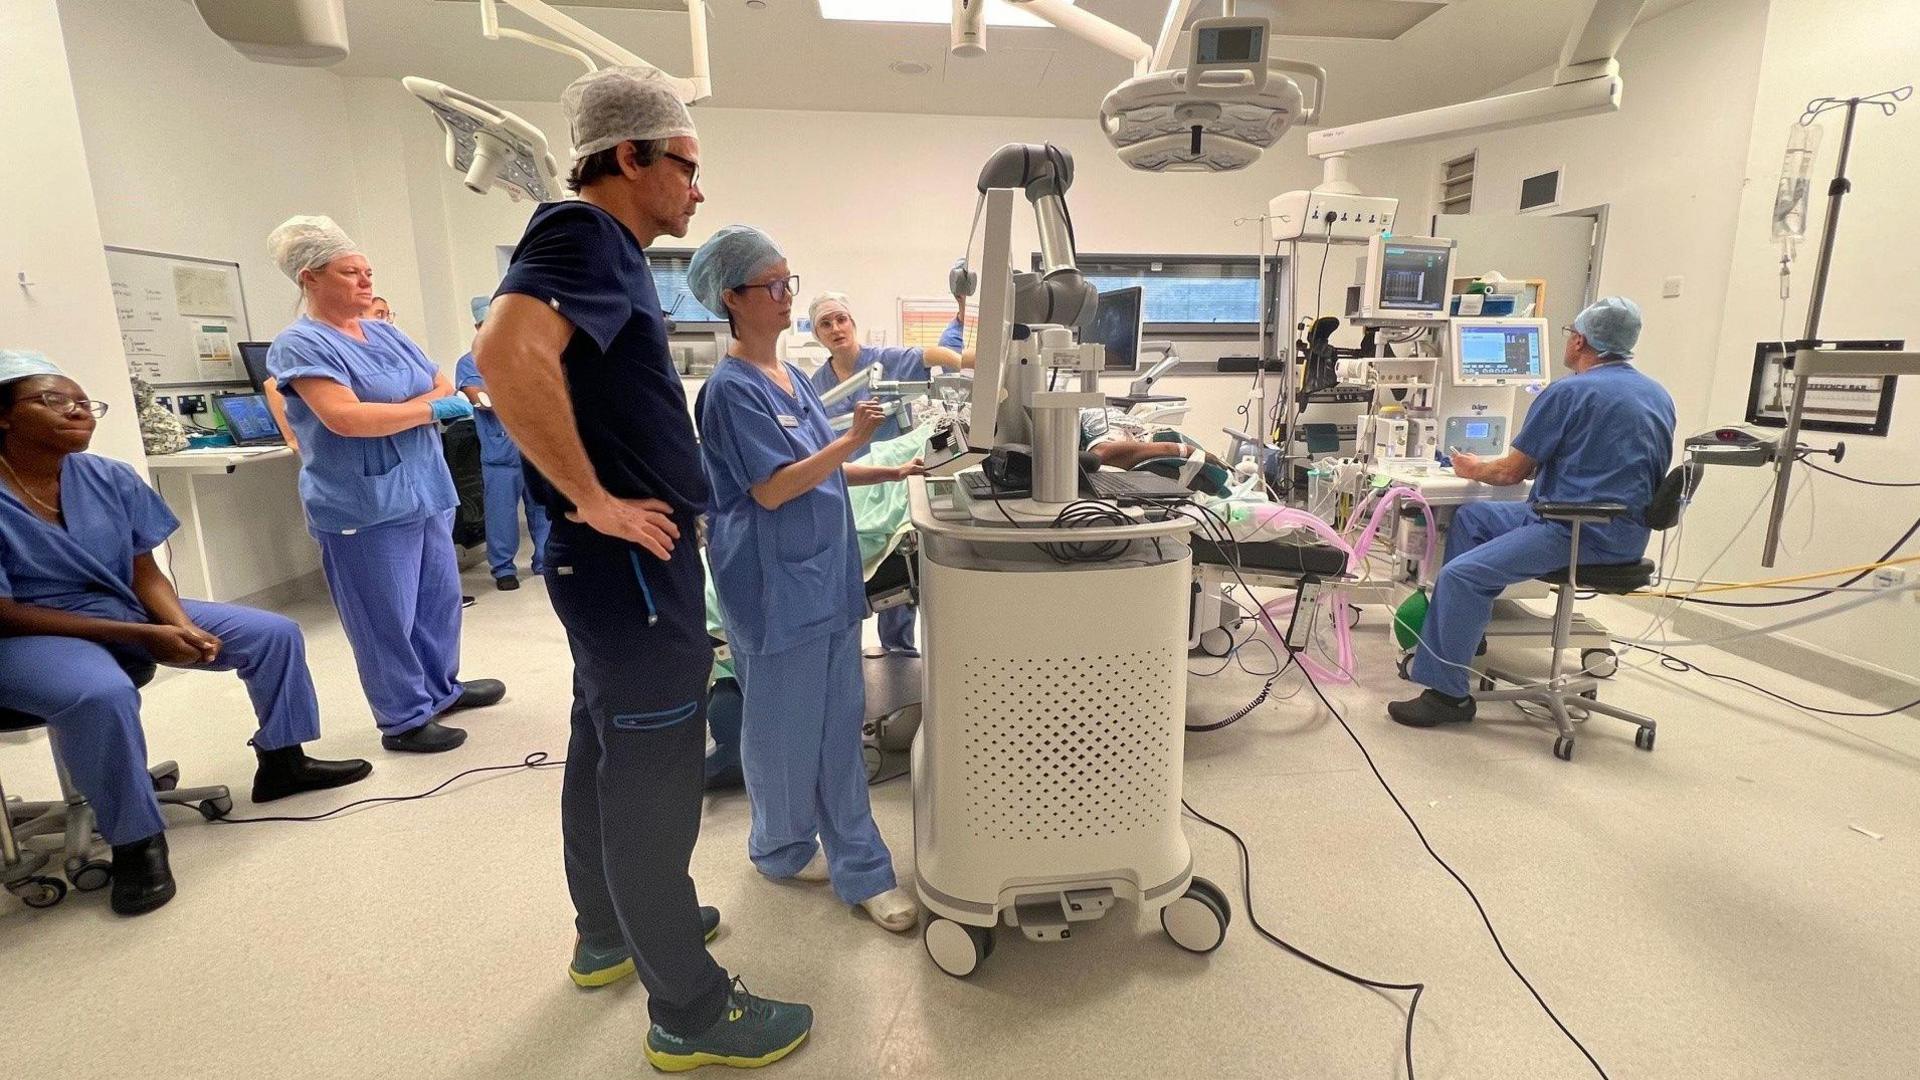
<point x="728" y="260"/>
<point x="480" y="304"/>
<point x="17" y="364"/>
<point x="1611" y="325"/>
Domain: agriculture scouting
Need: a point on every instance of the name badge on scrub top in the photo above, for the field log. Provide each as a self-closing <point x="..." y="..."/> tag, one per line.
<point x="788" y="421"/>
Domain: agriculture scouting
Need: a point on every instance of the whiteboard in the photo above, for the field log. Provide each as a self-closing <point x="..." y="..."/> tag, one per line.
<point x="181" y="318"/>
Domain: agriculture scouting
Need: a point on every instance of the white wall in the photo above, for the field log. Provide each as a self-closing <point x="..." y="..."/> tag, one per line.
<point x="50" y="230"/>
<point x="1687" y="168"/>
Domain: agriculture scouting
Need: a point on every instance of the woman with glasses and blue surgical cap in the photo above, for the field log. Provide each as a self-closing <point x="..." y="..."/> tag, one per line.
<point x="786" y="568"/>
<point x="84" y="607"/>
<point x="506" y="481"/>
<point x="366" y="404"/>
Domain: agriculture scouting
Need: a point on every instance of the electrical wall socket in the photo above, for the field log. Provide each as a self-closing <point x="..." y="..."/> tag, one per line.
<point x="193" y="404"/>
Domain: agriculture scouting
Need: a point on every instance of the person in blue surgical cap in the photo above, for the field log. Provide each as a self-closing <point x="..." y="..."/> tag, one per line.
<point x="506" y="484"/>
<point x="832" y="317"/>
<point x="366" y="404"/>
<point x="1603" y="434"/>
<point x="786" y="569"/>
<point x="84" y="608"/>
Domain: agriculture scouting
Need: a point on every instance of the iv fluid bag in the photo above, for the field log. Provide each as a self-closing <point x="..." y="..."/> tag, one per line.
<point x="1790" y="201"/>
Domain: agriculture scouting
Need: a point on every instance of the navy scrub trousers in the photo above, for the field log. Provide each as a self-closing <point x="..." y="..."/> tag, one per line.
<point x="631" y="801"/>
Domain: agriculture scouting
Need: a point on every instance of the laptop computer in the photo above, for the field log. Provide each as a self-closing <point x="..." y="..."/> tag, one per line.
<point x="249" y="420"/>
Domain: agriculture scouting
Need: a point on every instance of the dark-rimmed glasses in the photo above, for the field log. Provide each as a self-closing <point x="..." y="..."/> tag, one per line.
<point x="779" y="289"/>
<point x="67" y="404"/>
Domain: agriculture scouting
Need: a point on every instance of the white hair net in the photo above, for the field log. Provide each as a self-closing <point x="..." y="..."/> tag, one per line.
<point x="614" y="105"/>
<point x="729" y="259"/>
<point x="307" y="242"/>
<point x="17" y="364"/>
<point x="825" y="302"/>
<point x="1611" y="325"/>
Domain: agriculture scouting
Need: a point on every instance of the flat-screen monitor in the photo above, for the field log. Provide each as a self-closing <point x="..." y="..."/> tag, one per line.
<point x="254" y="355"/>
<point x="1407" y="278"/>
<point x="248" y="419"/>
<point x="1498" y="352"/>
<point x="1116" y="324"/>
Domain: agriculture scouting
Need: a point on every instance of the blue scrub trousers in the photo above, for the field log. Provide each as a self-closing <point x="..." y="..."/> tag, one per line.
<point x="896" y="628"/>
<point x="92" y="707"/>
<point x="397" y="588"/>
<point x="631" y="799"/>
<point x="800" y="748"/>
<point x="1491" y="545"/>
<point x="506" y="494"/>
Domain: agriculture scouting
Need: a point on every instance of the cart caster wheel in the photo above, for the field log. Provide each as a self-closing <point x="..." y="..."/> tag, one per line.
<point x="956" y="948"/>
<point x="1600" y="663"/>
<point x="166" y="781"/>
<point x="1406" y="667"/>
<point x="871" y="755"/>
<point x="1643" y="738"/>
<point x="1217" y="642"/>
<point x="91" y="876"/>
<point x="39" y="892"/>
<point x="215" y="809"/>
<point x="1197" y="922"/>
<point x="1563" y="748"/>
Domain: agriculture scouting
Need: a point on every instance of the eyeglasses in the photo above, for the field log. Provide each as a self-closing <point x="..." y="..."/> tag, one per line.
<point x="692" y="167"/>
<point x="779" y="289"/>
<point x="67" y="404"/>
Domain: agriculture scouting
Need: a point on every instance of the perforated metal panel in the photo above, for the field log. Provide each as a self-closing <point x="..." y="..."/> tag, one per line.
<point x="1068" y="747"/>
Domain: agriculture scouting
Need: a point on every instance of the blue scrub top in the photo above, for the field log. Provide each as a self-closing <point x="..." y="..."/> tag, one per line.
<point x="896" y="364"/>
<point x="1605" y="435"/>
<point x="789" y="576"/>
<point x="349" y="483"/>
<point x="496" y="446"/>
<point x="954" y="336"/>
<point x="628" y="402"/>
<point x="86" y="568"/>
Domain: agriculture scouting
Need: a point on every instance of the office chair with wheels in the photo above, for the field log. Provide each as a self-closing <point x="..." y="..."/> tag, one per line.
<point x="71" y="819"/>
<point x="1615" y="579"/>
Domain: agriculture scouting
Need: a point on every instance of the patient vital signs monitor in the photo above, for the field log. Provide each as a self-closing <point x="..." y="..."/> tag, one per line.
<point x="1498" y="352"/>
<point x="1407" y="279"/>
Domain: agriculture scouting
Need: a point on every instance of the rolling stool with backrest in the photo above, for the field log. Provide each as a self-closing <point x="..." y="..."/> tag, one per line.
<point x="72" y="818"/>
<point x="1614" y="579"/>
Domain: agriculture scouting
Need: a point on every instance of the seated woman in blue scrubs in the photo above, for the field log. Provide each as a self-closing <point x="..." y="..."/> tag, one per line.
<point x="366" y="403"/>
<point x="82" y="604"/>
<point x="833" y="326"/>
<point x="786" y="568"/>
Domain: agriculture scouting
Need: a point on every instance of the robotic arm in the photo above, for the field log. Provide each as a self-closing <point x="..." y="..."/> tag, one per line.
<point x="1058" y="295"/>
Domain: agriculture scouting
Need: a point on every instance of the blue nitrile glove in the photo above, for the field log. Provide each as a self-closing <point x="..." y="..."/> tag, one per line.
<point x="451" y="407"/>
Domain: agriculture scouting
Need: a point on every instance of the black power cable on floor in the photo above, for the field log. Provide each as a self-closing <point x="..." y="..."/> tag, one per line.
<point x="1225" y="539"/>
<point x="532" y="763"/>
<point x="1674" y="663"/>
<point x="1861" y="480"/>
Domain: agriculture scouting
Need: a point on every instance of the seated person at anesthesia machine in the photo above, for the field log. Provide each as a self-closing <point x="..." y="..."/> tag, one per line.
<point x="82" y="603"/>
<point x="506" y="481"/>
<point x="366" y="404"/>
<point x="832" y="317"/>
<point x="786" y="567"/>
<point x="1603" y="435"/>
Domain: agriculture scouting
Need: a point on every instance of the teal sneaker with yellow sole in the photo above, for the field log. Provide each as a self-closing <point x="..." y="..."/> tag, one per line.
<point x="593" y="968"/>
<point x="754" y="1031"/>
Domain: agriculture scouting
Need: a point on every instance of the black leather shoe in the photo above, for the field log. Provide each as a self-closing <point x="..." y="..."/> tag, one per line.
<point x="142" y="880"/>
<point x="289" y="771"/>
<point x="466" y="601"/>
<point x="478" y="694"/>
<point x="431" y="737"/>
<point x="1431" y="709"/>
<point x="506" y="583"/>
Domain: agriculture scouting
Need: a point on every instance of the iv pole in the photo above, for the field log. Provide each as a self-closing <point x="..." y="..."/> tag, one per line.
<point x="1804" y="356"/>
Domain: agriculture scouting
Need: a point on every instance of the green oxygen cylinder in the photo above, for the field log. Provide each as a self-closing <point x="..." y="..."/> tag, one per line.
<point x="1409" y="619"/>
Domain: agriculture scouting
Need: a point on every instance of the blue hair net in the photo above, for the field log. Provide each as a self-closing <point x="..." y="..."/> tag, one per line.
<point x="1611" y="325"/>
<point x="480" y="304"/>
<point x="728" y="260"/>
<point x="17" y="364"/>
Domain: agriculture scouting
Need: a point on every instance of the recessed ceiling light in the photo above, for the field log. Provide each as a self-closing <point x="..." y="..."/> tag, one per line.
<point x="909" y="67"/>
<point x="931" y="12"/>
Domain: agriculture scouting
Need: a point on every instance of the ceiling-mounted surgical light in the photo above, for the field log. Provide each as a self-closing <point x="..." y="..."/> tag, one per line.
<point x="493" y="148"/>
